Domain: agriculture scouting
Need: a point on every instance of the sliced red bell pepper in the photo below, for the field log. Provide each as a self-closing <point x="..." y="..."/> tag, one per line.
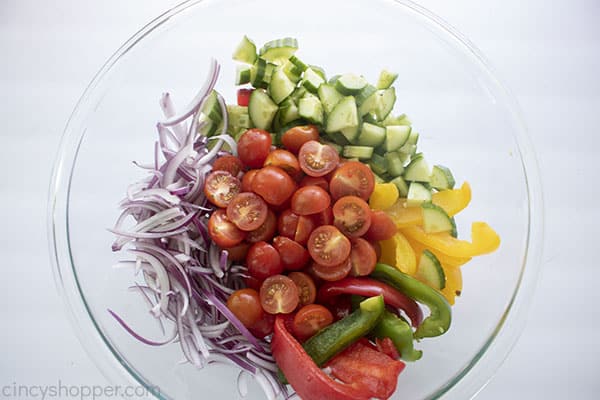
<point x="368" y="287"/>
<point x="364" y="366"/>
<point x="307" y="379"/>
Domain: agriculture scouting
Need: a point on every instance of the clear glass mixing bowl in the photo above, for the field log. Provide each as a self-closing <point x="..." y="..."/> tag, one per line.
<point x="467" y="120"/>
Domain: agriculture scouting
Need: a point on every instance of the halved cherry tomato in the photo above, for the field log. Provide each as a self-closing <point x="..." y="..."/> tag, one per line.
<point x="331" y="273"/>
<point x="264" y="326"/>
<point x="328" y="246"/>
<point x="310" y="319"/>
<point x="293" y="255"/>
<point x="266" y="231"/>
<point x="237" y="252"/>
<point x="294" y="138"/>
<point x="253" y="147"/>
<point x="382" y="227"/>
<point x="243" y="96"/>
<point x="363" y="258"/>
<point x="325" y="217"/>
<point x="221" y="187"/>
<point x="317" y="159"/>
<point x="274" y="185"/>
<point x="315" y="181"/>
<point x="247" y="180"/>
<point x="222" y="231"/>
<point x="353" y="178"/>
<point x="279" y="295"/>
<point x="377" y="248"/>
<point x="306" y="287"/>
<point x="263" y="260"/>
<point x="295" y="227"/>
<point x="352" y="216"/>
<point x="228" y="163"/>
<point x="253" y="282"/>
<point x="310" y="200"/>
<point x="245" y="305"/>
<point x="284" y="160"/>
<point x="247" y="211"/>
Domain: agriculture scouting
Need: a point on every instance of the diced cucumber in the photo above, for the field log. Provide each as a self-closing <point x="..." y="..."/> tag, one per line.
<point x="298" y="94"/>
<point x="293" y="73"/>
<point x="418" y="170"/>
<point x="417" y="194"/>
<point x="243" y="74"/>
<point x="349" y="84"/>
<point x="344" y="118"/>
<point x="211" y="108"/>
<point x="319" y="71"/>
<point x="395" y="120"/>
<point x="435" y="219"/>
<point x="430" y="271"/>
<point x="441" y="178"/>
<point x="339" y="138"/>
<point x="298" y="63"/>
<point x="365" y="93"/>
<point x="413" y="138"/>
<point x="401" y="185"/>
<point x="261" y="73"/>
<point x="333" y="79"/>
<point x="238" y="118"/>
<point x="329" y="97"/>
<point x="360" y="152"/>
<point x="396" y="136"/>
<point x="386" y="79"/>
<point x="261" y="109"/>
<point x="310" y="108"/>
<point x="279" y="50"/>
<point x="245" y="51"/>
<point x="281" y="86"/>
<point x="312" y="80"/>
<point x="378" y="164"/>
<point x="393" y="164"/>
<point x="371" y="135"/>
<point x="288" y="111"/>
<point x="379" y="103"/>
<point x="408" y="150"/>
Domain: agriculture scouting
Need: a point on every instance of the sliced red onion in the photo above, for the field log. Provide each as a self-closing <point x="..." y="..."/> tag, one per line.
<point x="268" y="365"/>
<point x="161" y="275"/>
<point x="137" y="335"/>
<point x="155" y="194"/>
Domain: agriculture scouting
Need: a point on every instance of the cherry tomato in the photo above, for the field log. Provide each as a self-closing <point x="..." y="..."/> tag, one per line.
<point x="352" y="216"/>
<point x="245" y="305"/>
<point x="247" y="180"/>
<point x="264" y="326"/>
<point x="363" y="258"/>
<point x="266" y="231"/>
<point x="310" y="200"/>
<point x="279" y="295"/>
<point x="328" y="246"/>
<point x="317" y="159"/>
<point x="228" y="163"/>
<point x="237" y="252"/>
<point x="221" y="187"/>
<point x="325" y="217"/>
<point x="222" y="231"/>
<point x="353" y="178"/>
<point x="306" y="287"/>
<point x="274" y="185"/>
<point x="243" y="96"/>
<point x="382" y="227"/>
<point x="310" y="319"/>
<point x="263" y="260"/>
<point x="315" y="181"/>
<point x="252" y="282"/>
<point x="253" y="147"/>
<point x="294" y="138"/>
<point x="294" y="226"/>
<point x="377" y="248"/>
<point x="247" y="211"/>
<point x="293" y="255"/>
<point x="284" y="160"/>
<point x="331" y="273"/>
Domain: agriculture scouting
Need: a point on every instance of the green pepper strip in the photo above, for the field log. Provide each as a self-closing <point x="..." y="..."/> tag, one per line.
<point x="341" y="334"/>
<point x="399" y="331"/>
<point x="440" y="316"/>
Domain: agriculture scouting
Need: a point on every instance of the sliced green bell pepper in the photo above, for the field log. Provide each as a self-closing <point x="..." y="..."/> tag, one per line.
<point x="401" y="334"/>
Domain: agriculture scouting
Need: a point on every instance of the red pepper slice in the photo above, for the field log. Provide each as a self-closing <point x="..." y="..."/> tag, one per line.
<point x="307" y="379"/>
<point x="368" y="287"/>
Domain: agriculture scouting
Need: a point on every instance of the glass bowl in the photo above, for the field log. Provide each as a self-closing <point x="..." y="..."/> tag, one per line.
<point x="467" y="120"/>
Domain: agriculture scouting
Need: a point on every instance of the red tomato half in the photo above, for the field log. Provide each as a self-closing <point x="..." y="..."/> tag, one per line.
<point x="266" y="231"/>
<point x="382" y="227"/>
<point x="253" y="147"/>
<point x="293" y="255"/>
<point x="352" y="216"/>
<point x="263" y="261"/>
<point x="224" y="232"/>
<point x="221" y="187"/>
<point x="315" y="181"/>
<point x="245" y="305"/>
<point x="331" y="273"/>
<point x="306" y="287"/>
<point x="363" y="258"/>
<point x="310" y="200"/>
<point x="317" y="159"/>
<point x="228" y="163"/>
<point x="247" y="180"/>
<point x="328" y="246"/>
<point x="353" y="178"/>
<point x="274" y="185"/>
<point x="310" y="319"/>
<point x="284" y="160"/>
<point x="279" y="294"/>
<point x="295" y="227"/>
<point x="294" y="138"/>
<point x="247" y="211"/>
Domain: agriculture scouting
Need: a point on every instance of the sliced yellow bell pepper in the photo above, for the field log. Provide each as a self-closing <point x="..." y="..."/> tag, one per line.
<point x="454" y="283"/>
<point x="384" y="196"/>
<point x="444" y="259"/>
<point x="452" y="201"/>
<point x="399" y="253"/>
<point x="484" y="240"/>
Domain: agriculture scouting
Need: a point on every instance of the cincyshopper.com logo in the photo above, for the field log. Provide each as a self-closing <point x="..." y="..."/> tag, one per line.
<point x="64" y="391"/>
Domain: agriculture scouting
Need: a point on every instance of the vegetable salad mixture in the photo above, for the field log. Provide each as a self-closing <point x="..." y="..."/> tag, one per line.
<point x="300" y="233"/>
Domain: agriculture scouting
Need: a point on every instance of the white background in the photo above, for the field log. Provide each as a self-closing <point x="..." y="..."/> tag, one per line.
<point x="547" y="52"/>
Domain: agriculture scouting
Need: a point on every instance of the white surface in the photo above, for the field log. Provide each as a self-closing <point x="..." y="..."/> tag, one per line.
<point x="549" y="55"/>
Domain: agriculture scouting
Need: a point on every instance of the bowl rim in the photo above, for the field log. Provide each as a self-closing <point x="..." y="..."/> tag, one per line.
<point x="117" y="370"/>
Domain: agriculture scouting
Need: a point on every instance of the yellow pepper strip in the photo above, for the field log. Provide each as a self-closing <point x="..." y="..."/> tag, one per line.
<point x="454" y="283"/>
<point x="444" y="259"/>
<point x="399" y="253"/>
<point x="384" y="196"/>
<point x="452" y="201"/>
<point x="484" y="240"/>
